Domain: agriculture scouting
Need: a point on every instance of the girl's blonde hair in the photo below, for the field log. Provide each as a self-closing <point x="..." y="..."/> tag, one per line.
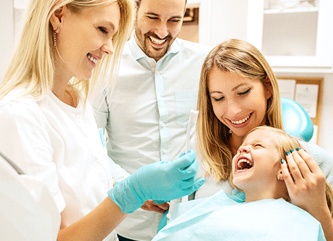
<point x="243" y="59"/>
<point x="285" y="142"/>
<point x="32" y="66"/>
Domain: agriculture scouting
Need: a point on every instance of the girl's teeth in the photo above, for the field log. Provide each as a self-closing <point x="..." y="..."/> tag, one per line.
<point x="244" y="164"/>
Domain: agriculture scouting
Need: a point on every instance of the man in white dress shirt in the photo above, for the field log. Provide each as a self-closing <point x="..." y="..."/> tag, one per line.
<point x="147" y="113"/>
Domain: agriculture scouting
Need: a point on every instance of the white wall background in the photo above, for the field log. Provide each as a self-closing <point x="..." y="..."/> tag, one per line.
<point x="326" y="125"/>
<point x="6" y="34"/>
<point x="10" y="28"/>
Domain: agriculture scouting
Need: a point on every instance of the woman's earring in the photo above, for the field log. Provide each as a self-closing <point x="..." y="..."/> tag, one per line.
<point x="54" y="38"/>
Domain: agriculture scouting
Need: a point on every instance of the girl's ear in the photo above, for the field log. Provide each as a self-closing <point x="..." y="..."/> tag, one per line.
<point x="56" y="18"/>
<point x="279" y="175"/>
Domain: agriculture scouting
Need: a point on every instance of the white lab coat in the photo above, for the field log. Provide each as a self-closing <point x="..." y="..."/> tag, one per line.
<point x="27" y="210"/>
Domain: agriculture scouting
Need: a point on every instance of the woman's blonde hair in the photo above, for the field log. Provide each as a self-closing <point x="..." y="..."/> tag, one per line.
<point x="32" y="65"/>
<point x="245" y="60"/>
<point x="285" y="142"/>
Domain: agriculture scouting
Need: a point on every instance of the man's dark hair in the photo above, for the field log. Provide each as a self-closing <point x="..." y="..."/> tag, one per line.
<point x="138" y="2"/>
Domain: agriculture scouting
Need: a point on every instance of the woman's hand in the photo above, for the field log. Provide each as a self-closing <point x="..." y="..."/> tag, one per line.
<point x="150" y="205"/>
<point x="159" y="181"/>
<point x="306" y="186"/>
<point x="304" y="180"/>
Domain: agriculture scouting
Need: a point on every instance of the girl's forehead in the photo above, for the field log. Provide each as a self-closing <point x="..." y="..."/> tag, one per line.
<point x="260" y="135"/>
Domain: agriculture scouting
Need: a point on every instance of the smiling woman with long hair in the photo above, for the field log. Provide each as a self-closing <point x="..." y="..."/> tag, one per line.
<point x="238" y="91"/>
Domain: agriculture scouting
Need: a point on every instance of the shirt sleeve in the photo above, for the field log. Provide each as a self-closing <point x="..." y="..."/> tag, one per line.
<point x="26" y="142"/>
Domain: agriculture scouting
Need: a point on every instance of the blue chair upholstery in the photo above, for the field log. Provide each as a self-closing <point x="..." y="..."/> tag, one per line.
<point x="296" y="120"/>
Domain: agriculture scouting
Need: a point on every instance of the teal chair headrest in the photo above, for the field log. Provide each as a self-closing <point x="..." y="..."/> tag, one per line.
<point x="296" y="120"/>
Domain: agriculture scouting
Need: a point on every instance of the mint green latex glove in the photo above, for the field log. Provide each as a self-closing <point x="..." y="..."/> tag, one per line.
<point x="157" y="181"/>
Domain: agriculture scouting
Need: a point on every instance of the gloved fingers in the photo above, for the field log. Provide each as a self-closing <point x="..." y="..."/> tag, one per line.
<point x="191" y="182"/>
<point x="190" y="171"/>
<point x="187" y="175"/>
<point x="198" y="183"/>
<point x="184" y="161"/>
<point x="187" y="183"/>
<point x="191" y="187"/>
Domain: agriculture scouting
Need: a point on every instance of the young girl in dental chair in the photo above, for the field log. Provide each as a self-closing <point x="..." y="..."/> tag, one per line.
<point x="264" y="163"/>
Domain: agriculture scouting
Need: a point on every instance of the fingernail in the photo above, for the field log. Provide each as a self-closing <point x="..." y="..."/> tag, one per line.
<point x="292" y="150"/>
<point x="287" y="153"/>
<point x="282" y="161"/>
<point x="297" y="149"/>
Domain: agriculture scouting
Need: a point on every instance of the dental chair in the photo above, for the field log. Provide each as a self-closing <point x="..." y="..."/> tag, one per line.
<point x="296" y="121"/>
